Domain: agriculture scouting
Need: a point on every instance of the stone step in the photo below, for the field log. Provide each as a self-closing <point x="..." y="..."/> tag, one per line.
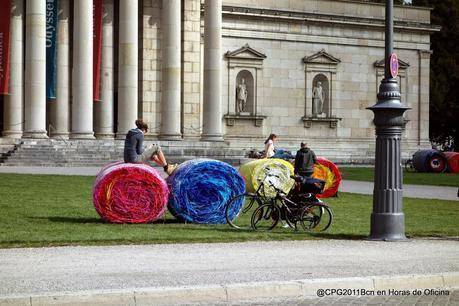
<point x="105" y="148"/>
<point x="82" y="153"/>
<point x="234" y="162"/>
<point x="96" y="150"/>
<point x="120" y="143"/>
<point x="88" y="154"/>
<point x="52" y="159"/>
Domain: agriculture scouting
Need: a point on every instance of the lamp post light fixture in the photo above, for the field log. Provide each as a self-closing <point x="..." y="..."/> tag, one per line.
<point x="387" y="218"/>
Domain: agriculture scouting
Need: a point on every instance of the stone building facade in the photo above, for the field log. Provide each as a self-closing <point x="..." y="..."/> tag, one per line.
<point x="226" y="70"/>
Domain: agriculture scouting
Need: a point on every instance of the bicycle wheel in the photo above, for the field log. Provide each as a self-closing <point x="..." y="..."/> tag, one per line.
<point x="316" y="217"/>
<point x="265" y="217"/>
<point x="409" y="166"/>
<point x="292" y="216"/>
<point x="240" y="208"/>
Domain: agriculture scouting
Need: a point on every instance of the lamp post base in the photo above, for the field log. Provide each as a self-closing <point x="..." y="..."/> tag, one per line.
<point x="387" y="227"/>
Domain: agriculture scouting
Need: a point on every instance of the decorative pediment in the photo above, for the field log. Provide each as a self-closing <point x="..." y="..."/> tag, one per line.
<point x="401" y="64"/>
<point x="321" y="57"/>
<point x="245" y="52"/>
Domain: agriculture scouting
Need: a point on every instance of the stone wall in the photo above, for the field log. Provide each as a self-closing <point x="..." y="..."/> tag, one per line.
<point x="278" y="38"/>
<point x="288" y="31"/>
<point x="191" y="69"/>
<point x="150" y="78"/>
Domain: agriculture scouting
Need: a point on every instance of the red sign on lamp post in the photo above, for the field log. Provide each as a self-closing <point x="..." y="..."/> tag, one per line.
<point x="393" y="65"/>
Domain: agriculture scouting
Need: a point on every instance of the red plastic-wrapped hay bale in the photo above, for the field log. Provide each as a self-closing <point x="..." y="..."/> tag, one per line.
<point x="453" y="161"/>
<point x="328" y="172"/>
<point x="130" y="193"/>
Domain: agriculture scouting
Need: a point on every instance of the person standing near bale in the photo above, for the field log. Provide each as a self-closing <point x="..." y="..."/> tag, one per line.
<point x="269" y="146"/>
<point x="134" y="152"/>
<point x="304" y="161"/>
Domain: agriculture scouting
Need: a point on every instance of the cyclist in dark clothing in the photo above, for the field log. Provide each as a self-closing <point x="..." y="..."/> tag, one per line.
<point x="304" y="161"/>
<point x="134" y="151"/>
<point x="304" y="167"/>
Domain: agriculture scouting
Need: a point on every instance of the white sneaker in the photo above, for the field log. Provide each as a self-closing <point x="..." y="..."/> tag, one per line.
<point x="170" y="168"/>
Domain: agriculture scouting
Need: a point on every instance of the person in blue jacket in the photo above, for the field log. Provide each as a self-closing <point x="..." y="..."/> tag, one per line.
<point x="134" y="152"/>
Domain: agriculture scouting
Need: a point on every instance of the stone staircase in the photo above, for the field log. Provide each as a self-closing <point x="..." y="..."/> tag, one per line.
<point x="7" y="147"/>
<point x="96" y="153"/>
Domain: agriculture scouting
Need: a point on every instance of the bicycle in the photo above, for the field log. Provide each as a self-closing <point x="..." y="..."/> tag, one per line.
<point x="240" y="217"/>
<point x="409" y="165"/>
<point x="312" y="214"/>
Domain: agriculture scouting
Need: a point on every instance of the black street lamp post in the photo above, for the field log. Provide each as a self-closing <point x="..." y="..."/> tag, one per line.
<point x="387" y="218"/>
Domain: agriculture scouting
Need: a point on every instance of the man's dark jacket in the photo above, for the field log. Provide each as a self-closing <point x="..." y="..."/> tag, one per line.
<point x="304" y="161"/>
<point x="133" y="145"/>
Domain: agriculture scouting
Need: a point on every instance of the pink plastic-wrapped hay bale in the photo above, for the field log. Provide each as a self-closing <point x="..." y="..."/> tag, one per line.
<point x="130" y="193"/>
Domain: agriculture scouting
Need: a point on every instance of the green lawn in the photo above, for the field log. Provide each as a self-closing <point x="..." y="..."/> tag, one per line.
<point x="417" y="178"/>
<point x="46" y="210"/>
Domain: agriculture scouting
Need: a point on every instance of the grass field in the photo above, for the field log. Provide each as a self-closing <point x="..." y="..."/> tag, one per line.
<point x="416" y="178"/>
<point x="46" y="210"/>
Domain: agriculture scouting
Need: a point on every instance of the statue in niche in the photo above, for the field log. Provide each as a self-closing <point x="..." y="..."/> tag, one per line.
<point x="241" y="96"/>
<point x="317" y="99"/>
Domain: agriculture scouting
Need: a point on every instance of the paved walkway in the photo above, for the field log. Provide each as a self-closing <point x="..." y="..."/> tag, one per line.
<point x="411" y="191"/>
<point x="224" y="272"/>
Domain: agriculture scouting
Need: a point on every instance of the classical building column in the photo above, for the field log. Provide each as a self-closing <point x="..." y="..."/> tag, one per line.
<point x="14" y="102"/>
<point x="212" y="106"/>
<point x="104" y="108"/>
<point x="423" y="98"/>
<point x="128" y="66"/>
<point x="62" y="102"/>
<point x="171" y="73"/>
<point x="82" y="104"/>
<point x="35" y="70"/>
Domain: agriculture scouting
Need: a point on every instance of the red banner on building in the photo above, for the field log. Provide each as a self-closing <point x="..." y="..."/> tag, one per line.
<point x="5" y="10"/>
<point x="97" y="47"/>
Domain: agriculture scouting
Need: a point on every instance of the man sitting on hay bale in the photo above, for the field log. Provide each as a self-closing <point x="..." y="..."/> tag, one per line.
<point x="134" y="151"/>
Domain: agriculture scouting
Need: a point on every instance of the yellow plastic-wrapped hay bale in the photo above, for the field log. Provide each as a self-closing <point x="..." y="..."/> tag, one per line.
<point x="254" y="172"/>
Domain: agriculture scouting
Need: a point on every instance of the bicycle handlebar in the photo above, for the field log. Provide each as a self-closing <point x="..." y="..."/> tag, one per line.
<point x="279" y="191"/>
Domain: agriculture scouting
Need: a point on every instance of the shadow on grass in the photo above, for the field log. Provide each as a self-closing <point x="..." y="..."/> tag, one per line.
<point x="169" y="221"/>
<point x="70" y="219"/>
<point x="82" y="220"/>
<point x="229" y="229"/>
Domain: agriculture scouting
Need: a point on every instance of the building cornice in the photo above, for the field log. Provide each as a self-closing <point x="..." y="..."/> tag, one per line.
<point x="238" y="12"/>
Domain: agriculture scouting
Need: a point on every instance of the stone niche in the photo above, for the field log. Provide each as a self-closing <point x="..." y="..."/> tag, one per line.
<point x="320" y="69"/>
<point x="244" y="72"/>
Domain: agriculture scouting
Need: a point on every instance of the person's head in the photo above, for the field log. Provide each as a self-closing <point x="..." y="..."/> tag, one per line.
<point x="319" y="83"/>
<point x="304" y="145"/>
<point x="141" y="125"/>
<point x="271" y="137"/>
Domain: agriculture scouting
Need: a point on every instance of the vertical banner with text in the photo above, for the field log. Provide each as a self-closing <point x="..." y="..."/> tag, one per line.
<point x="97" y="47"/>
<point x="5" y="20"/>
<point x="51" y="48"/>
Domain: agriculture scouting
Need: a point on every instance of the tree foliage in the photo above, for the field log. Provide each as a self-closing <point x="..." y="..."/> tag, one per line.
<point x="444" y="71"/>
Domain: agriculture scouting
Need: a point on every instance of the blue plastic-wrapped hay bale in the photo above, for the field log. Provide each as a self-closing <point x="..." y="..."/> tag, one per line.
<point x="200" y="189"/>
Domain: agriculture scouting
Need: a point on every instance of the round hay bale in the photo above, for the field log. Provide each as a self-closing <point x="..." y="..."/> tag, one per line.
<point x="200" y="190"/>
<point x="453" y="161"/>
<point x="430" y="160"/>
<point x="254" y="172"/>
<point x="328" y="172"/>
<point x="130" y="193"/>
